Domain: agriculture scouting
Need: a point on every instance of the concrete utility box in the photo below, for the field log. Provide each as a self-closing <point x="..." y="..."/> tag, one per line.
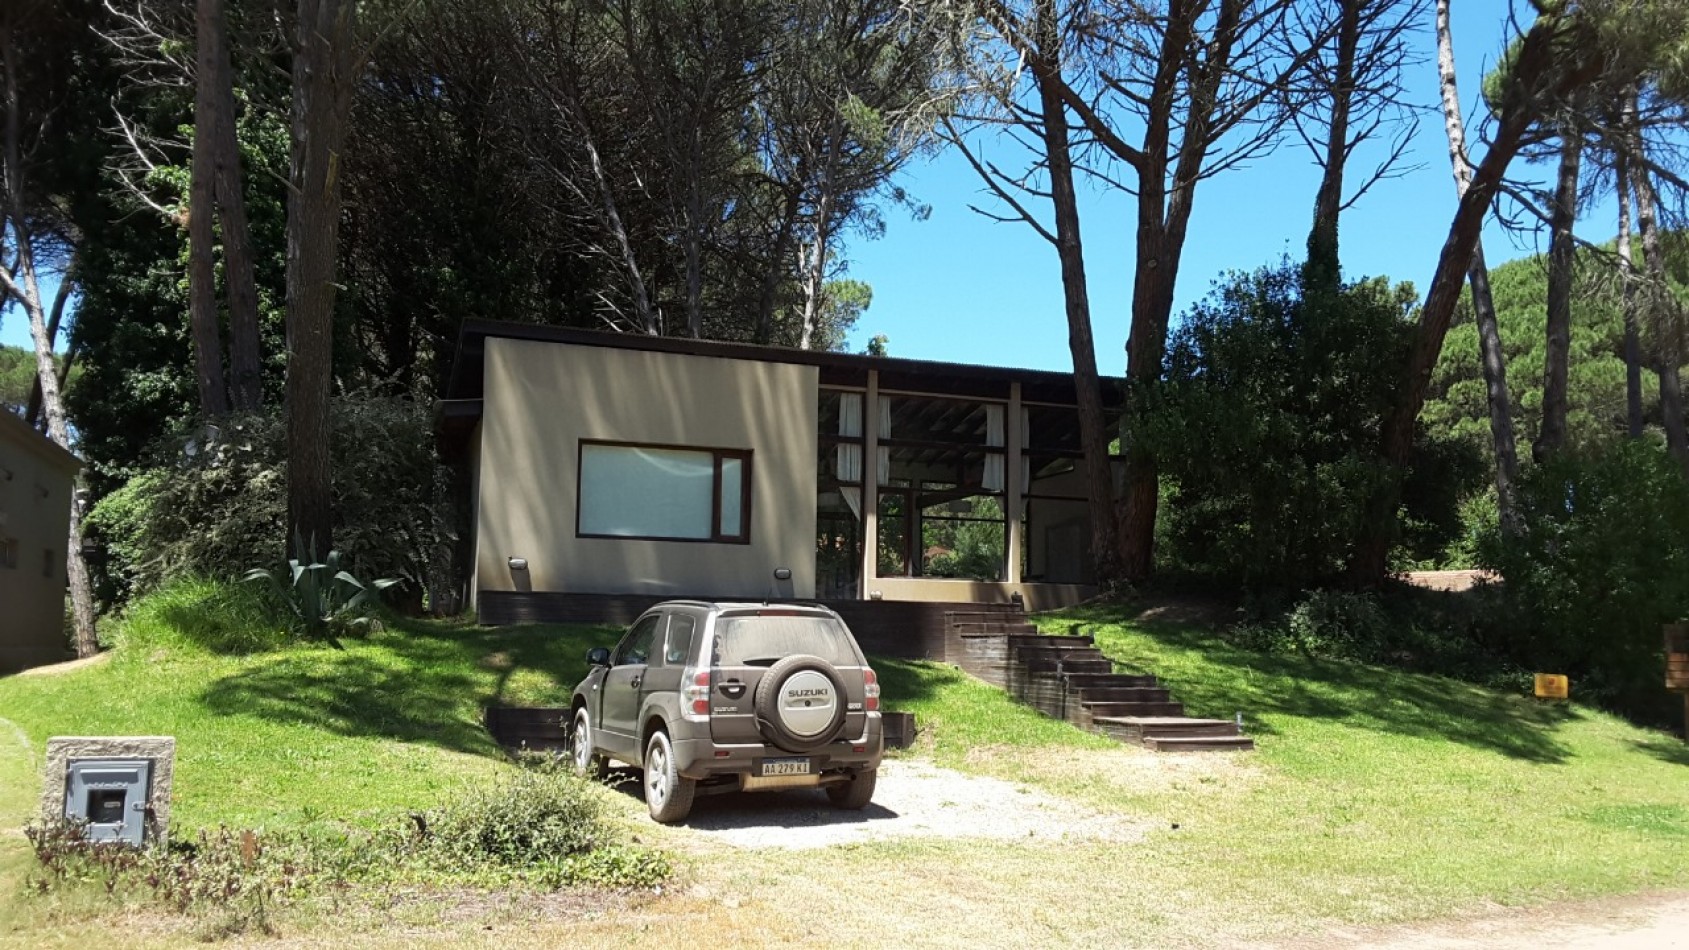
<point x="117" y="788"/>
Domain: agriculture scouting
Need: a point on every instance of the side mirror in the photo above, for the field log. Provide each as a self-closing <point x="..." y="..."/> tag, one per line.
<point x="598" y="656"/>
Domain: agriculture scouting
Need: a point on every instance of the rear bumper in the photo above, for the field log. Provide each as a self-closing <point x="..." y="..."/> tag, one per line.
<point x="701" y="758"/>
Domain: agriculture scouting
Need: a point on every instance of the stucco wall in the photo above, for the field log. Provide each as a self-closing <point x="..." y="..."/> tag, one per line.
<point x="36" y="481"/>
<point x="541" y="399"/>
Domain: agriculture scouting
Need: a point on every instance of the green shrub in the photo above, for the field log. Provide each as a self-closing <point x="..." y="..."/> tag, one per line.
<point x="212" y="506"/>
<point x="541" y="813"/>
<point x="1602" y="563"/>
<point x="1266" y="428"/>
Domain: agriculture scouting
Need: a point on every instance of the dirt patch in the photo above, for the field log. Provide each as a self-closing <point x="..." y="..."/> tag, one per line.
<point x="68" y="666"/>
<point x="913" y="800"/>
<point x="1637" y="922"/>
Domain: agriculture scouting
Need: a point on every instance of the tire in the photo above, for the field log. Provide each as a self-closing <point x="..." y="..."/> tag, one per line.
<point x="582" y="758"/>
<point x="668" y="794"/>
<point x="772" y="722"/>
<point x="855" y="794"/>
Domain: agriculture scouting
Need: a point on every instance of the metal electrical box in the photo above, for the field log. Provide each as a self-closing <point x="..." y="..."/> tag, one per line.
<point x="109" y="798"/>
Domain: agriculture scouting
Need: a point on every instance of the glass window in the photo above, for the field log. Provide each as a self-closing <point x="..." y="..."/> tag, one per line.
<point x="635" y="649"/>
<point x="664" y="493"/>
<point x="679" y="639"/>
<point x="764" y="638"/>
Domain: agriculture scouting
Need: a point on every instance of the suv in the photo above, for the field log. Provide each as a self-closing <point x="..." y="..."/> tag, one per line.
<point x="724" y="697"/>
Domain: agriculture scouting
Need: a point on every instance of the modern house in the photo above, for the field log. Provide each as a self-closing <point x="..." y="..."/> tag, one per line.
<point x="608" y="470"/>
<point x="37" y="479"/>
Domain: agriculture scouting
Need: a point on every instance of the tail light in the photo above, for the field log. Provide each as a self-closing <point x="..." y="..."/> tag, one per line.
<point x="695" y="696"/>
<point x="870" y="690"/>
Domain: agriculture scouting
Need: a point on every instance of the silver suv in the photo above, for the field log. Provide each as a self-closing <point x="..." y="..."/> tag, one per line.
<point x="724" y="697"/>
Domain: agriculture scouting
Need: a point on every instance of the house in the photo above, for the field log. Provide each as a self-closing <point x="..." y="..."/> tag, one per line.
<point x="37" y="481"/>
<point x="605" y="471"/>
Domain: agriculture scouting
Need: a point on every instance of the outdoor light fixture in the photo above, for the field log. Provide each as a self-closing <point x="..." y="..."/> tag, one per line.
<point x="874" y="595"/>
<point x="518" y="563"/>
<point x="782" y="573"/>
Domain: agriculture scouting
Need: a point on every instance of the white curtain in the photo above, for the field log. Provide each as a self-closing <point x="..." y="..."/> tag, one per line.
<point x="850" y="454"/>
<point x="993" y="479"/>
<point x="884" y="462"/>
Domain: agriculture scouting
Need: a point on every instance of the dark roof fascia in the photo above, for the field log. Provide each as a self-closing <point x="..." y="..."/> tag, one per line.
<point x="837" y="368"/>
<point x="17" y="431"/>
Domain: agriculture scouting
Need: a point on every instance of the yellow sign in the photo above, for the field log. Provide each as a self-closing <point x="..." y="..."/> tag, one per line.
<point x="1552" y="686"/>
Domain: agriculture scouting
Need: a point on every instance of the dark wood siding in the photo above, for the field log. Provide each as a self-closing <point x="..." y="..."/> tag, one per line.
<point x="895" y="628"/>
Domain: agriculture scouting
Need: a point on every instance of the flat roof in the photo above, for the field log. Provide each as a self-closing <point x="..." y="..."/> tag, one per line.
<point x="837" y="369"/>
<point x="19" y="432"/>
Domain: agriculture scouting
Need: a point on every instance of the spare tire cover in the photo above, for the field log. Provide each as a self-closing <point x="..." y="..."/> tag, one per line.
<point x="800" y="703"/>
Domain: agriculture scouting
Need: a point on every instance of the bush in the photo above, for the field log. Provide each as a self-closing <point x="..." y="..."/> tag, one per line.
<point x="211" y="507"/>
<point x="1602" y="563"/>
<point x="1266" y="428"/>
<point x="542" y="827"/>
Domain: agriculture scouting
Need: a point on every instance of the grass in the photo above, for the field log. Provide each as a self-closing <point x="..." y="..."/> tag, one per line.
<point x="1374" y="796"/>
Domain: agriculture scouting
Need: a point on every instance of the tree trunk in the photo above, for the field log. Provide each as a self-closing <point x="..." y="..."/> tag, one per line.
<point x="202" y="237"/>
<point x="1534" y="55"/>
<point x="1064" y="199"/>
<point x="776" y="268"/>
<point x="1325" y="268"/>
<point x="1663" y="313"/>
<point x="1491" y="355"/>
<point x="1627" y="277"/>
<point x="245" y="373"/>
<point x="1164" y="210"/>
<point x="67" y="284"/>
<point x="28" y="294"/>
<point x="322" y="88"/>
<point x="1551" y="439"/>
<point x="815" y="271"/>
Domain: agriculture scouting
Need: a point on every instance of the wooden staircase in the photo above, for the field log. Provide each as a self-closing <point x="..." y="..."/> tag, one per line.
<point x="1067" y="677"/>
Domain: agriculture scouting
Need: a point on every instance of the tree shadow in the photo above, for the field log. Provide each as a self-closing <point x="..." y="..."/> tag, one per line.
<point x="1667" y="749"/>
<point x="422" y="682"/>
<point x="1216" y="678"/>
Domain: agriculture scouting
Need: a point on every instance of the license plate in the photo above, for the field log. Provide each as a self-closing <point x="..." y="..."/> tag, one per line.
<point x="785" y="766"/>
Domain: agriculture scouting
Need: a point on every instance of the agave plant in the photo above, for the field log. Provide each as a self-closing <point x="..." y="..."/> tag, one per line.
<point x="327" y="601"/>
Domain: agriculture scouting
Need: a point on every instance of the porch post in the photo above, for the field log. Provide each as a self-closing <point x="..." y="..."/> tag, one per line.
<point x="1012" y="509"/>
<point x="870" y="484"/>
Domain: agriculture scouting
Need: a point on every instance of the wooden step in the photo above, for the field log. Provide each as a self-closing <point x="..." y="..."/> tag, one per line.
<point x="1200" y="744"/>
<point x="974" y="629"/>
<point x="1136" y="710"/>
<point x="1048" y="642"/>
<point x="1176" y="727"/>
<point x="1030" y="655"/>
<point x="985" y="616"/>
<point x="1068" y="666"/>
<point x="1106" y="680"/>
<point x="1122" y="694"/>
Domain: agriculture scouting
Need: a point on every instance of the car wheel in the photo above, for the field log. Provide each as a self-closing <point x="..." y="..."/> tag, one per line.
<point x="668" y="794"/>
<point x="800" y="703"/>
<point x="585" y="761"/>
<point x="856" y="793"/>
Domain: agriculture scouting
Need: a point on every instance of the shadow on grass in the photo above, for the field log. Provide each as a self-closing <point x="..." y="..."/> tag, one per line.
<point x="424" y="682"/>
<point x="1669" y="750"/>
<point x="1215" y="678"/>
<point x="908" y="681"/>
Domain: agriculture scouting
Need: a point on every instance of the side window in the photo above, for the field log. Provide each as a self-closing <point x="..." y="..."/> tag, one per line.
<point x="636" y="649"/>
<point x="680" y="638"/>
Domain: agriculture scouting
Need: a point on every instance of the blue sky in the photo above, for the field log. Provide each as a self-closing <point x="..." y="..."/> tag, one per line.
<point x="962" y="288"/>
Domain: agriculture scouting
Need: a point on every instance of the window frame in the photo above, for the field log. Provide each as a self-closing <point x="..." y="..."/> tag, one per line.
<point x="717" y="454"/>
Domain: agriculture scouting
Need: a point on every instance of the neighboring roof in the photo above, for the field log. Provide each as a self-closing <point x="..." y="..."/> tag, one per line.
<point x="18" y="432"/>
<point x="839" y="369"/>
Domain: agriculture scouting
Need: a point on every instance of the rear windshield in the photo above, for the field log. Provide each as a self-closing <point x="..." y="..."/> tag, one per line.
<point x="760" y="641"/>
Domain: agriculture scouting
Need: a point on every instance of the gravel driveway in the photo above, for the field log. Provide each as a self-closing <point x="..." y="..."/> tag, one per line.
<point x="913" y="799"/>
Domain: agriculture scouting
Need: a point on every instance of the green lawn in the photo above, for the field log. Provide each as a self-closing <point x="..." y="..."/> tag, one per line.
<point x="1374" y="795"/>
